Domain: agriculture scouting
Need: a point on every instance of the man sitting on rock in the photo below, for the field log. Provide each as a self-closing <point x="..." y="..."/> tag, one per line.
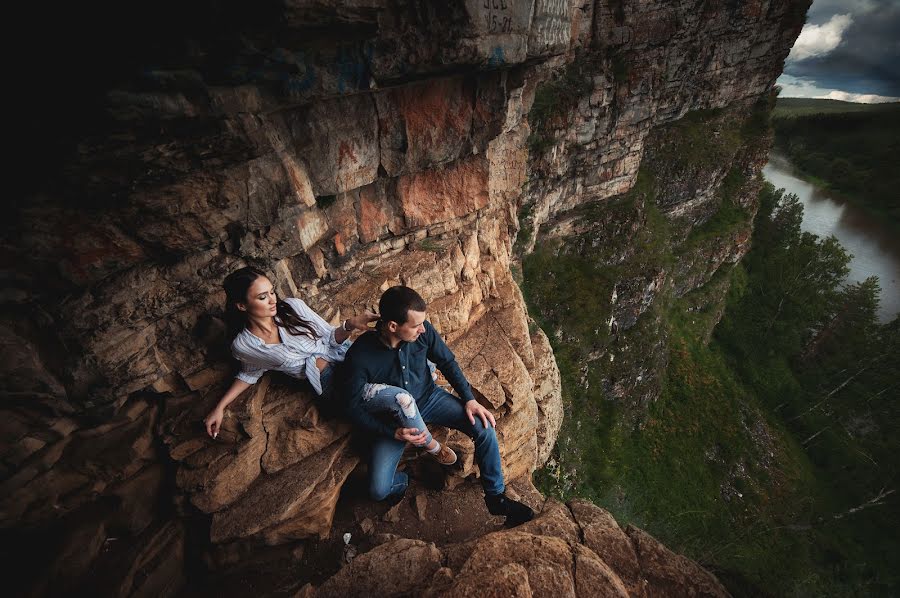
<point x="396" y="353"/>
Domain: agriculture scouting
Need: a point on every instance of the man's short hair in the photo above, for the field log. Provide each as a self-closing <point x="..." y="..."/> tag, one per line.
<point x="396" y="302"/>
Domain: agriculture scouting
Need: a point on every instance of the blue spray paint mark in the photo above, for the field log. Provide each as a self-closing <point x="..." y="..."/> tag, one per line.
<point x="353" y="66"/>
<point x="369" y="53"/>
<point x="295" y="84"/>
<point x="298" y="84"/>
<point x="496" y="58"/>
<point x="298" y="71"/>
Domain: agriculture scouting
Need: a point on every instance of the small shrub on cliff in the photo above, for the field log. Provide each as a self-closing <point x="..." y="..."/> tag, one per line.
<point x="324" y="201"/>
<point x="553" y="99"/>
<point x="759" y="122"/>
<point x="704" y="138"/>
<point x="729" y="218"/>
<point x="430" y="244"/>
<point x="526" y="226"/>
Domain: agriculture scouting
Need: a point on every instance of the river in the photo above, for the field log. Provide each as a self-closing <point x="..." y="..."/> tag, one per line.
<point x="875" y="249"/>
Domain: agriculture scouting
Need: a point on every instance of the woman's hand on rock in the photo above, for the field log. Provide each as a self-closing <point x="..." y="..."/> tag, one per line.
<point x="213" y="422"/>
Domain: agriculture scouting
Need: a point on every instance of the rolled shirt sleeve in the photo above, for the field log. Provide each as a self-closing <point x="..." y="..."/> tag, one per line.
<point x="250" y="373"/>
<point x="313" y="374"/>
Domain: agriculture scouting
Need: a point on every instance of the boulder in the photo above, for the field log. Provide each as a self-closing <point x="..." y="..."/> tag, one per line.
<point x="293" y="503"/>
<point x="215" y="472"/>
<point x="671" y="574"/>
<point x="396" y="568"/>
<point x="601" y="533"/>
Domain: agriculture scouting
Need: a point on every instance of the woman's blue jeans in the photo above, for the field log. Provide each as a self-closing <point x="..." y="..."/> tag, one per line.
<point x="382" y="399"/>
<point x="397" y="403"/>
<point x="442" y="408"/>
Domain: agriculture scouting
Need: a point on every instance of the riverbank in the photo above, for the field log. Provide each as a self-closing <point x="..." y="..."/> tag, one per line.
<point x="874" y="246"/>
<point x="875" y="210"/>
<point x="846" y="148"/>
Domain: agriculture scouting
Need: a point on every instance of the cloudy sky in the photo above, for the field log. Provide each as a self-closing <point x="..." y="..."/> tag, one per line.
<point x="848" y="50"/>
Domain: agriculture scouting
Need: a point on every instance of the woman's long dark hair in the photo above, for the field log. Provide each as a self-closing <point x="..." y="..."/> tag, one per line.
<point x="236" y="286"/>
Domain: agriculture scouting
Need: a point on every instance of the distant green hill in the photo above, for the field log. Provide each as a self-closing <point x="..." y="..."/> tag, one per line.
<point x="849" y="148"/>
<point x="791" y="107"/>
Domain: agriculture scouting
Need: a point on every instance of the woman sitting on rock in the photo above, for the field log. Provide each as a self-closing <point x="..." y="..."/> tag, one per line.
<point x="287" y="336"/>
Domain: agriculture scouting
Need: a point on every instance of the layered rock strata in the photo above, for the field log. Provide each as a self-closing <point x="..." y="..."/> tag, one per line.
<point x="404" y="153"/>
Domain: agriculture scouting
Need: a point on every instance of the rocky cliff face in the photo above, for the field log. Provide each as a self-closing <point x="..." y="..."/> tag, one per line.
<point x="344" y="148"/>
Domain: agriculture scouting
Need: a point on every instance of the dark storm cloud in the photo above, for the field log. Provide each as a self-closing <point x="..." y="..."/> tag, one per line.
<point x="867" y="60"/>
<point x="822" y="10"/>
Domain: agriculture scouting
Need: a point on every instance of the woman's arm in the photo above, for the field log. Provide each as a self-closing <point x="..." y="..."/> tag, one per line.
<point x="360" y="322"/>
<point x="336" y="334"/>
<point x="213" y="421"/>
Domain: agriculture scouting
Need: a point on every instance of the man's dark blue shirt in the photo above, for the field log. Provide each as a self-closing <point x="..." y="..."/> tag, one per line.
<point x="371" y="360"/>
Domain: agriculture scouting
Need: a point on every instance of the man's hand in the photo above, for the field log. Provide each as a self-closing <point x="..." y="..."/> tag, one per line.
<point x="474" y="408"/>
<point x="412" y="435"/>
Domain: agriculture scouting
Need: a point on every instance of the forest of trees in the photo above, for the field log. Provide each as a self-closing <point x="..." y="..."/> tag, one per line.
<point x="849" y="148"/>
<point x="809" y="347"/>
<point x="770" y="456"/>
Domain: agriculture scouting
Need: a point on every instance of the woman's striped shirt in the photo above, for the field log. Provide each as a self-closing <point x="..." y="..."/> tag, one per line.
<point x="295" y="355"/>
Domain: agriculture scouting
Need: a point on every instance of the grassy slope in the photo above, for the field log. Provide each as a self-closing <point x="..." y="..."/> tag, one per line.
<point x="713" y="473"/>
<point x="668" y="477"/>
<point x="700" y="474"/>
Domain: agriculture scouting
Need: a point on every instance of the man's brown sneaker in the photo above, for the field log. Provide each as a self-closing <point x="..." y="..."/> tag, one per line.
<point x="445" y="456"/>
